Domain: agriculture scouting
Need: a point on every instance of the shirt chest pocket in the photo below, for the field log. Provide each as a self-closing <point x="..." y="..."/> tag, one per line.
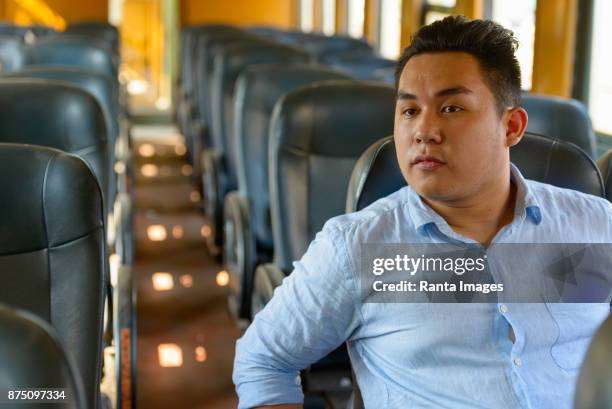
<point x="576" y="325"/>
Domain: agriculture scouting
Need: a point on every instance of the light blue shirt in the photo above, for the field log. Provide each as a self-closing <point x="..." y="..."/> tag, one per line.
<point x="426" y="355"/>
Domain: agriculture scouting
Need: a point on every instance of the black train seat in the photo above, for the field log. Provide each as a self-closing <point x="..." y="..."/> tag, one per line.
<point x="62" y="116"/>
<point x="321" y="46"/>
<point x="317" y="133"/>
<point x="96" y="29"/>
<point x="208" y="45"/>
<point x="605" y="166"/>
<point x="248" y="232"/>
<point x="218" y="169"/>
<point x="32" y="357"/>
<point x="78" y="51"/>
<point x="57" y="115"/>
<point x="193" y="38"/>
<point x="52" y="249"/>
<point x="361" y="65"/>
<point x="566" y="119"/>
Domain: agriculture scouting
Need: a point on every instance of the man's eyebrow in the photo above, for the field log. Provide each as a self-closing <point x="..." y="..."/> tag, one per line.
<point x="445" y="92"/>
<point x="454" y="91"/>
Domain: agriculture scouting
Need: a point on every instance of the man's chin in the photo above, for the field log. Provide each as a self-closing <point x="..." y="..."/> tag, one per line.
<point x="435" y="193"/>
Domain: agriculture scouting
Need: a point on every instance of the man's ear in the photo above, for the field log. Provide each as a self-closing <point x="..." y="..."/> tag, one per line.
<point x="516" y="123"/>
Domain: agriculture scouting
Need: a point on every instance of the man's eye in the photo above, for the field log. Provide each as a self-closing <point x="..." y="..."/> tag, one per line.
<point x="409" y="112"/>
<point x="450" y="109"/>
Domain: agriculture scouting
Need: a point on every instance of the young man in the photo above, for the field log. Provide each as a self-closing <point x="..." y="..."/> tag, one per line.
<point x="458" y="113"/>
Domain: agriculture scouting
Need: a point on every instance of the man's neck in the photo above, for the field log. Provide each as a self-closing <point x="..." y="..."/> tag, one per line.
<point x="479" y="218"/>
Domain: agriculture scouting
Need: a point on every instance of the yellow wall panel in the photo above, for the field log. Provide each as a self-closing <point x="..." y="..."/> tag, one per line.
<point x="555" y="38"/>
<point x="73" y="11"/>
<point x="56" y="13"/>
<point x="470" y="8"/>
<point x="280" y="13"/>
<point x="411" y="20"/>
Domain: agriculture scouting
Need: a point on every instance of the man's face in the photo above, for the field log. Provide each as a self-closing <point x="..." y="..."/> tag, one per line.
<point x="451" y="143"/>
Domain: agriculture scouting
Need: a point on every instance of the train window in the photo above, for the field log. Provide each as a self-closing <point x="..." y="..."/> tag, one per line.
<point x="306" y="15"/>
<point x="390" y="28"/>
<point x="519" y="16"/>
<point x="436" y="10"/>
<point x="600" y="88"/>
<point x="329" y="16"/>
<point x="356" y="17"/>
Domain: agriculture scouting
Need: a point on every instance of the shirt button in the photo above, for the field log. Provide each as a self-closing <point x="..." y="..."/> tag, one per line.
<point x="503" y="308"/>
<point x="517" y="361"/>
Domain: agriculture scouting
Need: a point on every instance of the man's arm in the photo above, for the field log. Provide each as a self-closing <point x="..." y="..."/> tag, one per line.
<point x="311" y="313"/>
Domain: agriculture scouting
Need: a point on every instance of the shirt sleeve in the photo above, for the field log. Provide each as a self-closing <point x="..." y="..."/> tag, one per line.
<point x="310" y="314"/>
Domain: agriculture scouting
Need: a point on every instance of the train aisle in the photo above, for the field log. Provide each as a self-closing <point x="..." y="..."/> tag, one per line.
<point x="185" y="336"/>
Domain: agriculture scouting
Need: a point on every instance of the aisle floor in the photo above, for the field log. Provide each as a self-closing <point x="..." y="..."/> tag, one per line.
<point x="185" y="320"/>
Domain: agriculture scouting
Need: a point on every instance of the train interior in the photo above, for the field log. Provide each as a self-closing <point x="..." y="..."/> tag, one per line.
<point x="151" y="196"/>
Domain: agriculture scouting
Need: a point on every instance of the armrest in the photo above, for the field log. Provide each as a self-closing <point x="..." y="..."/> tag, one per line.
<point x="238" y="253"/>
<point x="123" y="218"/>
<point x="214" y="188"/>
<point x="125" y="338"/>
<point x="267" y="277"/>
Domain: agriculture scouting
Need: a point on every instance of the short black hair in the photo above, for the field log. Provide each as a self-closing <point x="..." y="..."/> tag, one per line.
<point x="489" y="42"/>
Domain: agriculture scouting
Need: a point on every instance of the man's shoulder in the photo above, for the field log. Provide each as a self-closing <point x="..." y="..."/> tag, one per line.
<point x="568" y="200"/>
<point x="383" y="214"/>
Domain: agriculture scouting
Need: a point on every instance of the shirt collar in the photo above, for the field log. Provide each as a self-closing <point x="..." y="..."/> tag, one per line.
<point x="527" y="205"/>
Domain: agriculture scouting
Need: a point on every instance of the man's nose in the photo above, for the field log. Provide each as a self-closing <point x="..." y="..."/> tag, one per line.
<point x="428" y="129"/>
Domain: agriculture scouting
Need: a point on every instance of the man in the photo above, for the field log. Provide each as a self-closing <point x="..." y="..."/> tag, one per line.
<point x="458" y="113"/>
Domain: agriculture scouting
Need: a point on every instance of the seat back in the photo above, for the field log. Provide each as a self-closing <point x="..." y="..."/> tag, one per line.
<point x="258" y="89"/>
<point x="229" y="63"/>
<point x="317" y="133"/>
<point x="361" y="65"/>
<point x="11" y="53"/>
<point x="101" y="87"/>
<point x="207" y="46"/>
<point x="548" y="160"/>
<point x="79" y="52"/>
<point x="57" y="115"/>
<point x="594" y="390"/>
<point x="562" y="118"/>
<point x="32" y="357"/>
<point x="605" y="166"/>
<point x="52" y="248"/>
<point x="321" y="47"/>
<point x="96" y="29"/>
<point x="14" y="31"/>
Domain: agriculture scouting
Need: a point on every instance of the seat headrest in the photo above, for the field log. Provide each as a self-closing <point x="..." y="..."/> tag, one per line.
<point x="364" y="67"/>
<point x="317" y="133"/>
<point x="562" y="118"/>
<point x="100" y="85"/>
<point x="35" y="175"/>
<point x="540" y="158"/>
<point x="96" y="29"/>
<point x="260" y="86"/>
<point x="57" y="115"/>
<point x="229" y="62"/>
<point x="32" y="357"/>
<point x="322" y="46"/>
<point x="305" y="120"/>
<point x="83" y="53"/>
<point x="258" y="89"/>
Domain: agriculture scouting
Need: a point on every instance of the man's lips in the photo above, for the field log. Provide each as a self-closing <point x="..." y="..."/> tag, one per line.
<point x="427" y="162"/>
